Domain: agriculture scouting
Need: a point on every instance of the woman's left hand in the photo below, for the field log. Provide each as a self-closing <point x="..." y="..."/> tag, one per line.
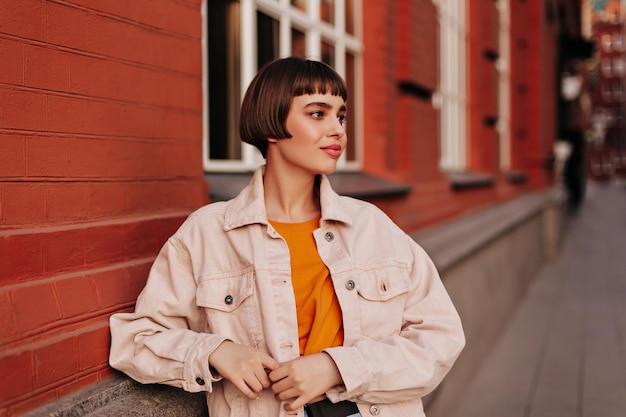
<point x="305" y="379"/>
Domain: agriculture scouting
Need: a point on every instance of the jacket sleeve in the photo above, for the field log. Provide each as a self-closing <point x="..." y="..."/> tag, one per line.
<point x="412" y="363"/>
<point x="164" y="340"/>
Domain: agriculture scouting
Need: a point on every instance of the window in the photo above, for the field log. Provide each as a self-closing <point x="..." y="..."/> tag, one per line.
<point x="243" y="35"/>
<point x="451" y="97"/>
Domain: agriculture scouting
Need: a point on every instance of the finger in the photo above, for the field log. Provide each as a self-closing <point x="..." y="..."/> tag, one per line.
<point x="245" y="390"/>
<point x="288" y="394"/>
<point x="278" y="374"/>
<point x="262" y="377"/>
<point x="296" y="403"/>
<point x="269" y="363"/>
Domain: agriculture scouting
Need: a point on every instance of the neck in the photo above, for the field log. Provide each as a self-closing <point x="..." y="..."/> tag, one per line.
<point x="289" y="198"/>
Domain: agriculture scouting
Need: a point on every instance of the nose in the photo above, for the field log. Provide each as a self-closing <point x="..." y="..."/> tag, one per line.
<point x="337" y="129"/>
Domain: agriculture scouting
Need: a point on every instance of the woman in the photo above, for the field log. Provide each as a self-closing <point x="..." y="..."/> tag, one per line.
<point x="291" y="300"/>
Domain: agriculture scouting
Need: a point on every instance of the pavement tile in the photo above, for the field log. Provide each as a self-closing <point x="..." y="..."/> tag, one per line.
<point x="563" y="353"/>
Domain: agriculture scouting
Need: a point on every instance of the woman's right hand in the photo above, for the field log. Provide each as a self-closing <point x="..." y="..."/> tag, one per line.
<point x="244" y="366"/>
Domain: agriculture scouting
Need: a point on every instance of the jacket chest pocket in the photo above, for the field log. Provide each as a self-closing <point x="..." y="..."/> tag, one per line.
<point x="382" y="295"/>
<point x="231" y="306"/>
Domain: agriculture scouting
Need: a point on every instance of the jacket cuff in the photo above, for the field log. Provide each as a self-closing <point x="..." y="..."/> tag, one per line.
<point x="352" y="370"/>
<point x="197" y="372"/>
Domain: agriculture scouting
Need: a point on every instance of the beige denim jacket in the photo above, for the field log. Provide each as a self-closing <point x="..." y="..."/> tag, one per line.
<point x="225" y="274"/>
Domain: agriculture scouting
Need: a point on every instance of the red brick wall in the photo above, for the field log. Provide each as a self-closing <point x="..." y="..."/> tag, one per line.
<point x="402" y="131"/>
<point x="100" y="161"/>
<point x="483" y="22"/>
<point x="533" y="89"/>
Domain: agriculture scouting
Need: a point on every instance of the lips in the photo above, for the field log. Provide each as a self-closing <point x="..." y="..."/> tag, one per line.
<point x="332" y="150"/>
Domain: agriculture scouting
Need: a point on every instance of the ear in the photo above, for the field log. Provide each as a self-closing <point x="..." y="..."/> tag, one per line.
<point x="272" y="140"/>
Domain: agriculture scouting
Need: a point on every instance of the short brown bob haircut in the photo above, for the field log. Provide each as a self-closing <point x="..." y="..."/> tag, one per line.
<point x="268" y="99"/>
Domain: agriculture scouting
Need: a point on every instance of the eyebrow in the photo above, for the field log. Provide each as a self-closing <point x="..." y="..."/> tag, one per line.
<point x="324" y="105"/>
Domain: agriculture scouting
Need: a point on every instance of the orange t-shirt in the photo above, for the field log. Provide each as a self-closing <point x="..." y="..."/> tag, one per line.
<point x="320" y="325"/>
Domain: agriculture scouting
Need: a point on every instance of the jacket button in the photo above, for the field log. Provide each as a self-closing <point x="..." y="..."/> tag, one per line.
<point x="199" y="381"/>
<point x="329" y="236"/>
<point x="350" y="285"/>
<point x="229" y="299"/>
<point x="374" y="410"/>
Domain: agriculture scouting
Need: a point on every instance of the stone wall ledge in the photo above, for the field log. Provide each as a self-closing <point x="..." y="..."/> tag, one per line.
<point x="121" y="396"/>
<point x="454" y="241"/>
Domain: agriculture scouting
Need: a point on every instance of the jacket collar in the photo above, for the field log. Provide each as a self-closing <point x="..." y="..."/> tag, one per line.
<point x="249" y="206"/>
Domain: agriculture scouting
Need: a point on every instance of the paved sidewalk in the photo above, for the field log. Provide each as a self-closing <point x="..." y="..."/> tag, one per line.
<point x="563" y="353"/>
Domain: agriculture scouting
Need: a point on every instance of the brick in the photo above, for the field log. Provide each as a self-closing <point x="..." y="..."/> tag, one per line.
<point x="67" y="201"/>
<point x="16" y="377"/>
<point x="67" y="114"/>
<point x="40" y="295"/>
<point x="172" y="16"/>
<point x="114" y="38"/>
<point x="56" y="361"/>
<point x="140" y="239"/>
<point x="93" y="347"/>
<point x="63" y="251"/>
<point x="12" y="156"/>
<point x="189" y="53"/>
<point x="8" y="327"/>
<point x="121" y="81"/>
<point x="178" y="124"/>
<point x="66" y="26"/>
<point x="81" y="383"/>
<point x="47" y="68"/>
<point x="138" y="275"/>
<point x="23" y="203"/>
<point x="125" y="9"/>
<point x="27" y="18"/>
<point x="77" y="296"/>
<point x="11" y="62"/>
<point x="20" y="257"/>
<point x="34" y="402"/>
<point x="46" y="157"/>
<point x="24" y="110"/>
<point x="125" y="159"/>
<point x="113" y="288"/>
<point x="104" y="244"/>
<point x="105" y="199"/>
<point x="122" y="40"/>
<point x="88" y="157"/>
<point x="120" y="119"/>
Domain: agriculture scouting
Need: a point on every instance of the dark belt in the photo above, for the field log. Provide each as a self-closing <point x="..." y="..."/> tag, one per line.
<point x="326" y="408"/>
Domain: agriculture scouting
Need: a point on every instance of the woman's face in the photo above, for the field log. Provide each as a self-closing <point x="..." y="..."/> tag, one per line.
<point x="316" y="124"/>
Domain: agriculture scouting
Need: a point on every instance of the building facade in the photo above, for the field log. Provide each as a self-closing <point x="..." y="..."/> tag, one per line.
<point x="606" y="75"/>
<point x="117" y="119"/>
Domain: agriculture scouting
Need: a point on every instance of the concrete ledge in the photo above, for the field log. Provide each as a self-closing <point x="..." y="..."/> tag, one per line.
<point x="121" y="396"/>
<point x="486" y="261"/>
<point x="457" y="240"/>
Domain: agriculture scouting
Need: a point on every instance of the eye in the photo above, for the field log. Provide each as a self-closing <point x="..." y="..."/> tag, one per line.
<point x="342" y="119"/>
<point x="317" y="114"/>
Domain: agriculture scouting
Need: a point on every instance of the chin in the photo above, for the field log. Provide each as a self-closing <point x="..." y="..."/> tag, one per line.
<point x="328" y="169"/>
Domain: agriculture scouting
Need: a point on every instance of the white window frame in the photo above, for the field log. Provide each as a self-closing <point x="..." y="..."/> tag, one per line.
<point x="452" y="95"/>
<point x="315" y="30"/>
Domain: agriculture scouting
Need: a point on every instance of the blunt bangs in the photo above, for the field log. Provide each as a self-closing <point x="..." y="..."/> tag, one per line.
<point x="268" y="99"/>
<point x="318" y="78"/>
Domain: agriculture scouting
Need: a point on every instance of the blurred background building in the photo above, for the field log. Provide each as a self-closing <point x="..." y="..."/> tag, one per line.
<point x="606" y="73"/>
<point x="118" y="118"/>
